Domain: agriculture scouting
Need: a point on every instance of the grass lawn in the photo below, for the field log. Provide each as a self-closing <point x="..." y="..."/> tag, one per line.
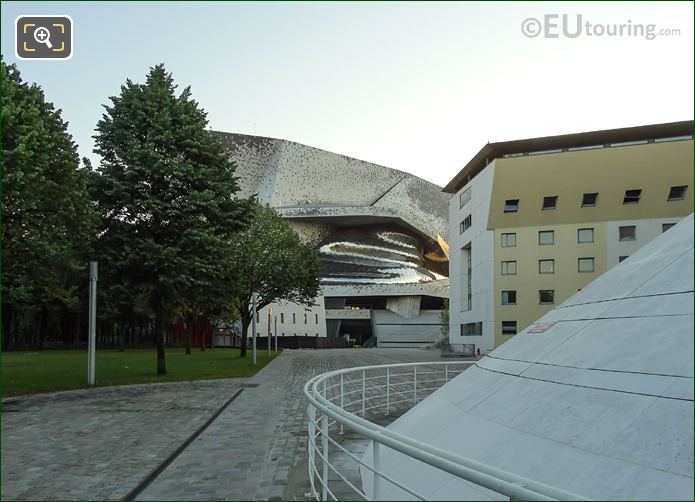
<point x="53" y="370"/>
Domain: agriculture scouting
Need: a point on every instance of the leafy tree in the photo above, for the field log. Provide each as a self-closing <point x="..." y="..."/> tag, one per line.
<point x="269" y="259"/>
<point x="47" y="220"/>
<point x="165" y="192"/>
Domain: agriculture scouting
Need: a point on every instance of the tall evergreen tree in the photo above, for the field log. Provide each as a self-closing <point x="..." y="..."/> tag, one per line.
<point x="47" y="218"/>
<point x="165" y="192"/>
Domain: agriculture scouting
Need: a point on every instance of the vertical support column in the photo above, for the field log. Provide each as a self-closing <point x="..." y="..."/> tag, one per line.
<point x="276" y="333"/>
<point x="342" y="402"/>
<point x="376" y="480"/>
<point x="388" y="390"/>
<point x="92" y="340"/>
<point x="446" y="372"/>
<point x="414" y="385"/>
<point x="324" y="443"/>
<point x="364" y="390"/>
<point x="270" y="316"/>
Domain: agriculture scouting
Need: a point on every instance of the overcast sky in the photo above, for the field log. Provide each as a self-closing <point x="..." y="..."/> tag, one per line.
<point x="417" y="87"/>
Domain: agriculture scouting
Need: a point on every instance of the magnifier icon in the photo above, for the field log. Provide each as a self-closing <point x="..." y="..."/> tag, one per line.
<point x="43" y="36"/>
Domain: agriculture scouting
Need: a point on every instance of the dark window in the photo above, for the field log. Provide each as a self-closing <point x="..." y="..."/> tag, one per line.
<point x="472" y="329"/>
<point x="511" y="205"/>
<point x="317" y="318"/>
<point x="465" y="224"/>
<point x="550" y="202"/>
<point x="282" y="317"/>
<point x="294" y="319"/>
<point x="258" y="316"/>
<point x="666" y="226"/>
<point x="508" y="327"/>
<point x="632" y="196"/>
<point x="621" y="259"/>
<point x="677" y="193"/>
<point x="546" y="296"/>
<point x="305" y="318"/>
<point x="627" y="233"/>
<point x="589" y="199"/>
<point x="508" y="297"/>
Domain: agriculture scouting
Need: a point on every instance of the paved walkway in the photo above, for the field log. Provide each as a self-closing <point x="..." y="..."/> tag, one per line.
<point x="101" y="443"/>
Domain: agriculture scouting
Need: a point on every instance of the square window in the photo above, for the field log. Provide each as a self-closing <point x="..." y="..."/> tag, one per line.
<point x="509" y="240"/>
<point x="589" y="199"/>
<point x="550" y="202"/>
<point x="511" y="205"/>
<point x="546" y="237"/>
<point x="464" y="198"/>
<point x="509" y="327"/>
<point x="546" y="296"/>
<point x="627" y="233"/>
<point x="586" y="264"/>
<point x="508" y="268"/>
<point x="632" y="196"/>
<point x="622" y="259"/>
<point x="508" y="297"/>
<point x="546" y="266"/>
<point x="677" y="193"/>
<point x="585" y="235"/>
<point x="666" y="226"/>
<point x="472" y="329"/>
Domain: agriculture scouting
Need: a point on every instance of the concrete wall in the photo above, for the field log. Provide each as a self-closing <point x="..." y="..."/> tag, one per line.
<point x="393" y="330"/>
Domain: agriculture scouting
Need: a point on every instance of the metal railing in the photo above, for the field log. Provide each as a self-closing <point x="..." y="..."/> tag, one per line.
<point x="347" y="398"/>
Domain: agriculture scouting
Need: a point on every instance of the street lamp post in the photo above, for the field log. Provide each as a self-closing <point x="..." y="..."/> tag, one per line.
<point x="276" y="333"/>
<point x="92" y="340"/>
<point x="270" y="314"/>
<point x="253" y="327"/>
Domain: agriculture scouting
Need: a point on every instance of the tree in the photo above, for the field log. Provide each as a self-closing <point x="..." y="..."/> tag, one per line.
<point x="165" y="192"/>
<point x="47" y="220"/>
<point x="269" y="259"/>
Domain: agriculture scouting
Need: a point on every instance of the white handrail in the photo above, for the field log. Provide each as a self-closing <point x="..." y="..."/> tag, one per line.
<point x="508" y="484"/>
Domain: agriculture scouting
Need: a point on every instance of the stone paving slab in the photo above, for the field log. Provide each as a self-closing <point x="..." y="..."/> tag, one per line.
<point x="100" y="443"/>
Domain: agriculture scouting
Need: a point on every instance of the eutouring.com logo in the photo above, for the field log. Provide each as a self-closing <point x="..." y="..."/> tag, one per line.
<point x="574" y="26"/>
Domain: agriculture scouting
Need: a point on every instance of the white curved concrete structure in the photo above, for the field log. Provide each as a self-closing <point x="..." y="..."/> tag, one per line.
<point x="596" y="397"/>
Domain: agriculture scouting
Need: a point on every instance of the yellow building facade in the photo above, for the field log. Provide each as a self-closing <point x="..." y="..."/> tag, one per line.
<point x="549" y="215"/>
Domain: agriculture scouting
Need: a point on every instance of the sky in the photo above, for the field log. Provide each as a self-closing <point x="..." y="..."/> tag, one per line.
<point x="418" y="87"/>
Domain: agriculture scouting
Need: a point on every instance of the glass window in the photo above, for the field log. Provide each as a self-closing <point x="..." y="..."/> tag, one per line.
<point x="464" y="198"/>
<point x="586" y="264"/>
<point x="666" y="226"/>
<point x="508" y="297"/>
<point x="627" y="233"/>
<point x="472" y="329"/>
<point x="585" y="235"/>
<point x="622" y="259"/>
<point x="294" y="319"/>
<point x="589" y="199"/>
<point x="258" y="316"/>
<point x="509" y="240"/>
<point x="632" y="196"/>
<point x="546" y="266"/>
<point x="546" y="296"/>
<point x="508" y="268"/>
<point x="546" y="237"/>
<point x="465" y="224"/>
<point x="305" y="319"/>
<point x="550" y="202"/>
<point x="511" y="205"/>
<point x="316" y="316"/>
<point x="509" y="327"/>
<point x="677" y="193"/>
<point x="282" y="317"/>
